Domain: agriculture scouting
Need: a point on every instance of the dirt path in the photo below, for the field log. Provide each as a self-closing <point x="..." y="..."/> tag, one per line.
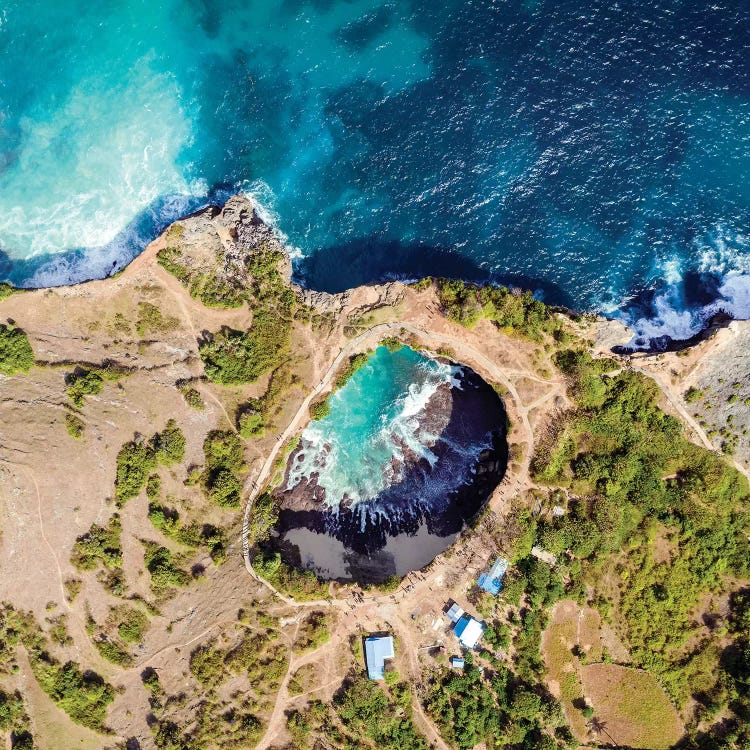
<point x="675" y="399"/>
<point x="61" y="581"/>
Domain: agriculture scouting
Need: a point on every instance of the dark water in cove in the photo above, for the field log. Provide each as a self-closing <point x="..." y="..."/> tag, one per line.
<point x="411" y="450"/>
<point x="595" y="152"/>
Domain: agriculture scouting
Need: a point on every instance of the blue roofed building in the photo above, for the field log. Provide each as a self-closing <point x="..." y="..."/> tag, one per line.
<point x="468" y="631"/>
<point x="492" y="580"/>
<point x="377" y="650"/>
<point x="457" y="662"/>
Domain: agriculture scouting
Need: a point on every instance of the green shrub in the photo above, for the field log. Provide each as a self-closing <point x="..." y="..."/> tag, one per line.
<point x="192" y="397"/>
<point x="302" y="585"/>
<point x="693" y="394"/>
<point x="152" y="320"/>
<point x="224" y="463"/>
<point x="320" y="409"/>
<point x="234" y="357"/>
<point x="16" y="354"/>
<point x="153" y="487"/>
<point x="207" y="665"/>
<point x="164" y="572"/>
<point x="224" y="489"/>
<point x="392" y="343"/>
<point x="512" y="310"/>
<point x="84" y="696"/>
<point x="82" y="383"/>
<point x="312" y="633"/>
<point x="114" y="652"/>
<point x="255" y="417"/>
<point x="168" y="446"/>
<point x="74" y="425"/>
<point x="135" y="462"/>
<point x="99" y="546"/>
<point x="263" y="516"/>
<point x="132" y="623"/>
<point x="365" y="709"/>
<point x="6" y="290"/>
<point x="634" y="473"/>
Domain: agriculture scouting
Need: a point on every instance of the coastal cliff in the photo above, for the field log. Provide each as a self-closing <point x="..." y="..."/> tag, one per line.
<point x="154" y="404"/>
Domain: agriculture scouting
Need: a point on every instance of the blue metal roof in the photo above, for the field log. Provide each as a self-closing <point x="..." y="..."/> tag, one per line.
<point x="377" y="650"/>
<point x="492" y="580"/>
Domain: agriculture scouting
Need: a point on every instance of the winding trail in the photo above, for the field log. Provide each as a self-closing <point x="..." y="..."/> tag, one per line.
<point x="61" y="581"/>
<point x="678" y="405"/>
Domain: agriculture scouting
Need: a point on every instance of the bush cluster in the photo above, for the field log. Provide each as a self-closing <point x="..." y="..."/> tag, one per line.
<point x="224" y="466"/>
<point x="137" y="459"/>
<point x="16" y="354"/>
<point x="633" y="475"/>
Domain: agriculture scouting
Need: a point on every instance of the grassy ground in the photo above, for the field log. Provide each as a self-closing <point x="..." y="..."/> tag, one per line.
<point x="631" y="706"/>
<point x="560" y="638"/>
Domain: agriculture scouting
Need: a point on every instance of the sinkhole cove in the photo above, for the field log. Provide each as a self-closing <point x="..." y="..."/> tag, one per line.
<point x="411" y="450"/>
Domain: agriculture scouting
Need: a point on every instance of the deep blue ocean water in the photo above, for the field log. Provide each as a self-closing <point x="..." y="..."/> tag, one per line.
<point x="595" y="152"/>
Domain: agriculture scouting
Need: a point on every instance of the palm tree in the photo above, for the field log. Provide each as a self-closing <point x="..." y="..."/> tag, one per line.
<point x="598" y="726"/>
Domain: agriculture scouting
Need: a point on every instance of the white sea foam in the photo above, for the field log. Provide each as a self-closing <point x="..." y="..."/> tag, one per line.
<point x="363" y="476"/>
<point x="88" y="167"/>
<point x="263" y="198"/>
<point x="720" y="253"/>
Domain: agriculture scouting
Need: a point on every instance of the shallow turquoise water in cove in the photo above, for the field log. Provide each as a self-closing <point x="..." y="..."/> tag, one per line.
<point x="411" y="450"/>
<point x="374" y="418"/>
<point x="595" y="152"/>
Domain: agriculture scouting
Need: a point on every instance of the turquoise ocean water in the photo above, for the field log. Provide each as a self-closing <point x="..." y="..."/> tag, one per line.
<point x="375" y="417"/>
<point x="595" y="152"/>
<point x="396" y="457"/>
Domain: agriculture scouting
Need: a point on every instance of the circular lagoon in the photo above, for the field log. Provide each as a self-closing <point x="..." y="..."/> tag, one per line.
<point x="410" y="451"/>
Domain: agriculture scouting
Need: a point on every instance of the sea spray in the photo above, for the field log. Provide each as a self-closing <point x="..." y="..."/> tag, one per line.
<point x="397" y="455"/>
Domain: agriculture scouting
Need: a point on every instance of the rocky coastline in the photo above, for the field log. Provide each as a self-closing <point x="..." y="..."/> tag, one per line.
<point x="467" y="423"/>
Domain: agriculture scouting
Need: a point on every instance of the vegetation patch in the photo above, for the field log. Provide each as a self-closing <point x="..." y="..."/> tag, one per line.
<point x="167" y="520"/>
<point x="165" y="574"/>
<point x="633" y="472"/>
<point x="191" y="395"/>
<point x="233" y="357"/>
<point x="152" y="320"/>
<point x="100" y="545"/>
<point x="366" y="710"/>
<point x="303" y="585"/>
<point x="313" y="632"/>
<point x="82" y="694"/>
<point x="255" y="417"/>
<point x="224" y="467"/>
<point x="89" y="381"/>
<point x="16" y="354"/>
<point x="513" y="311"/>
<point x="6" y="290"/>
<point x="208" y="287"/>
<point x="263" y="517"/>
<point x="137" y="459"/>
<point x="470" y="707"/>
<point x="14" y="720"/>
<point x="74" y="425"/>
